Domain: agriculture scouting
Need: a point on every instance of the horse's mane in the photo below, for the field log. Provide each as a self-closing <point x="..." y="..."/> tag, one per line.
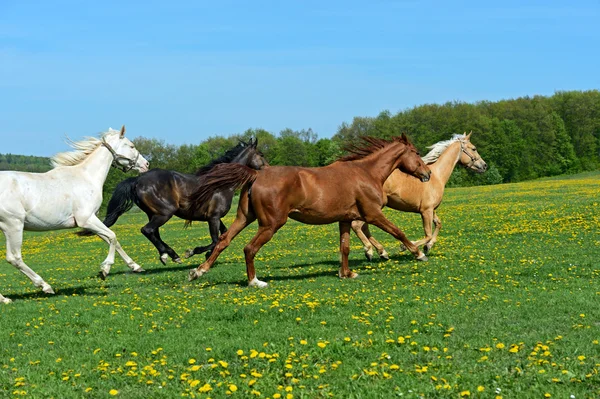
<point x="438" y="148"/>
<point x="83" y="149"/>
<point x="225" y="158"/>
<point x="368" y="146"/>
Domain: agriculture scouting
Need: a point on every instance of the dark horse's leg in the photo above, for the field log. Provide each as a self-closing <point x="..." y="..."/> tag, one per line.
<point x="214" y="225"/>
<point x="150" y="230"/>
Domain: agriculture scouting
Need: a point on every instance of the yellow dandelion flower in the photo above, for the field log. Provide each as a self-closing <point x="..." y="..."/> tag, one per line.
<point x="113" y="392"/>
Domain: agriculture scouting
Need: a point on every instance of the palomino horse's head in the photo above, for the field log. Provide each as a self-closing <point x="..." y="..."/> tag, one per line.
<point x="412" y="163"/>
<point x="254" y="158"/>
<point x="125" y="156"/>
<point x="469" y="156"/>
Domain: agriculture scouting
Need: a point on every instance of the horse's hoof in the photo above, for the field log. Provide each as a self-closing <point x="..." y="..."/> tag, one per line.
<point x="423" y="258"/>
<point x="5" y="300"/>
<point x="351" y="275"/>
<point x="163" y="259"/>
<point x="139" y="270"/>
<point x="102" y="275"/>
<point x="384" y="255"/>
<point x="48" y="290"/>
<point x="426" y="249"/>
<point x="402" y="247"/>
<point x="369" y="256"/>
<point x="257" y="283"/>
<point x="188" y="254"/>
<point x="177" y="260"/>
<point x="194" y="274"/>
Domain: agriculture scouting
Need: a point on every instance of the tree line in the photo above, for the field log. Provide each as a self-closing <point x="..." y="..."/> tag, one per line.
<point x="520" y="139"/>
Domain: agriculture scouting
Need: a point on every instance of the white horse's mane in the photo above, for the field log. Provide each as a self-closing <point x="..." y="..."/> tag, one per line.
<point x="438" y="148"/>
<point x="83" y="148"/>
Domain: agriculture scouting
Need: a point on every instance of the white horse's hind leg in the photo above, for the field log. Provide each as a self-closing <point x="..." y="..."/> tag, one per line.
<point x="14" y="241"/>
<point x="95" y="225"/>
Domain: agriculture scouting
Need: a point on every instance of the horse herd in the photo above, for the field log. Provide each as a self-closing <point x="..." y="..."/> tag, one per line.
<point x="351" y="191"/>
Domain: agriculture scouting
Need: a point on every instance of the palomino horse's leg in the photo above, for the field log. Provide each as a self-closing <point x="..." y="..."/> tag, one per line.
<point x="345" y="271"/>
<point x="244" y="218"/>
<point x="387" y="226"/>
<point x="96" y="226"/>
<point x="380" y="249"/>
<point x="150" y="230"/>
<point x="14" y="240"/>
<point x="368" y="247"/>
<point x="213" y="227"/>
<point x="427" y="217"/>
<point x="438" y="225"/>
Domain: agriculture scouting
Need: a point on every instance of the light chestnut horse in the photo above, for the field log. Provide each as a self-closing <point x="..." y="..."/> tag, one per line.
<point x="407" y="194"/>
<point x="67" y="196"/>
<point x="346" y="190"/>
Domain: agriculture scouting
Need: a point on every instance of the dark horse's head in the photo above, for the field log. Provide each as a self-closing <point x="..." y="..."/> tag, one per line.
<point x="244" y="154"/>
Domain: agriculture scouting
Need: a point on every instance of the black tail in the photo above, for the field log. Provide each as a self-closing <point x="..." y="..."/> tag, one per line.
<point x="122" y="200"/>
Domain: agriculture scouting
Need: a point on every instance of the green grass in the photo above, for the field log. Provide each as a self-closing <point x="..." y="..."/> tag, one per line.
<point x="508" y="302"/>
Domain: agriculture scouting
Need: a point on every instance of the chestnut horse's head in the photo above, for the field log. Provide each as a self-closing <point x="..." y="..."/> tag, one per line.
<point x="411" y="162"/>
<point x="469" y="156"/>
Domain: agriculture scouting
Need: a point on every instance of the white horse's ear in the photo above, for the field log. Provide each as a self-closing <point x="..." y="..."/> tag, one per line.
<point x="469" y="135"/>
<point x="122" y="131"/>
<point x="110" y="129"/>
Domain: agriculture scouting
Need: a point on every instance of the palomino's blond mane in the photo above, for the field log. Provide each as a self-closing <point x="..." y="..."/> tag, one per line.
<point x="83" y="149"/>
<point x="438" y="148"/>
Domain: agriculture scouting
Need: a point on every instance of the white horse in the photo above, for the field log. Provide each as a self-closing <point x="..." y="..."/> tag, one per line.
<point x="67" y="196"/>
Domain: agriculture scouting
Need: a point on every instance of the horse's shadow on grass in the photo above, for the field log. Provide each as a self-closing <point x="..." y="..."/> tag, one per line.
<point x="165" y="269"/>
<point x="61" y="292"/>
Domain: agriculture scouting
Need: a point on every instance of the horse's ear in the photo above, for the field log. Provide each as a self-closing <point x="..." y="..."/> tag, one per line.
<point x="122" y="131"/>
<point x="255" y="142"/>
<point x="469" y="135"/>
<point x="403" y="136"/>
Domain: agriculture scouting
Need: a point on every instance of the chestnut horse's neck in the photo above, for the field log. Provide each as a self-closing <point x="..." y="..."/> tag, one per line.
<point x="443" y="167"/>
<point x="382" y="163"/>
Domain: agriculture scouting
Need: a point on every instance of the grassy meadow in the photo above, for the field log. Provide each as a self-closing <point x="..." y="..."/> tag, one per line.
<point x="506" y="307"/>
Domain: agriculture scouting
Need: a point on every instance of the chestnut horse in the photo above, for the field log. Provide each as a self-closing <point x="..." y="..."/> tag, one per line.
<point x="349" y="189"/>
<point x="405" y="193"/>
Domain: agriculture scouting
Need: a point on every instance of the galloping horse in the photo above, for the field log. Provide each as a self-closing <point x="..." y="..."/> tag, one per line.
<point x="69" y="195"/>
<point x="346" y="190"/>
<point x="163" y="193"/>
<point x="405" y="193"/>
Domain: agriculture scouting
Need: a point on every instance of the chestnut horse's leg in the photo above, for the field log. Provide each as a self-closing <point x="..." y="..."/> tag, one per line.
<point x="345" y="271"/>
<point x="379" y="220"/>
<point x="263" y="235"/>
<point x="244" y="217"/>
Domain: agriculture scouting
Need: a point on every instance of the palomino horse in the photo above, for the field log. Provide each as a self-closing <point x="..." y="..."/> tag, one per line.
<point x="405" y="193"/>
<point x="67" y="196"/>
<point x="347" y="190"/>
<point x="163" y="193"/>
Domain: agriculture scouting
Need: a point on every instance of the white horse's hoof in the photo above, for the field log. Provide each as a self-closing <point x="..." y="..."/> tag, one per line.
<point x="257" y="283"/>
<point x="5" y="300"/>
<point x="422" y="258"/>
<point x="47" y="289"/>
<point x="384" y="255"/>
<point x="163" y="258"/>
<point x="138" y="269"/>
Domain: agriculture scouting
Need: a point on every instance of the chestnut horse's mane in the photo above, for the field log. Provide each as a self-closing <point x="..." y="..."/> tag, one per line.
<point x="368" y="146"/>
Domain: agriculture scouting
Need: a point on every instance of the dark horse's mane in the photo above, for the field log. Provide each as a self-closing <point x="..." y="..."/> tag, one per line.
<point x="225" y="158"/>
<point x="368" y="146"/>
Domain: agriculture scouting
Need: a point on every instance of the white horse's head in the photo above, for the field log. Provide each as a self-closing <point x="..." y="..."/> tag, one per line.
<point x="125" y="155"/>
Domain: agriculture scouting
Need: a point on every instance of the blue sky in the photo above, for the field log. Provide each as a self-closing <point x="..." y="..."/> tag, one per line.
<point x="185" y="70"/>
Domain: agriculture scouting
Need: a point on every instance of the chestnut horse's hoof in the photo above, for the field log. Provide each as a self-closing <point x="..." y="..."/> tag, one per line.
<point x="257" y="283"/>
<point x="402" y="247"/>
<point x="351" y="275"/>
<point x="423" y="258"/>
<point x="194" y="274"/>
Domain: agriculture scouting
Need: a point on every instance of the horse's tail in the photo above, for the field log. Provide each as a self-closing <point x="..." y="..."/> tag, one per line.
<point x="222" y="177"/>
<point x="121" y="201"/>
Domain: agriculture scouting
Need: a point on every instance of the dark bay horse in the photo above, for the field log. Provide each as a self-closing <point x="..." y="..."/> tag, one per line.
<point x="162" y="194"/>
<point x="349" y="189"/>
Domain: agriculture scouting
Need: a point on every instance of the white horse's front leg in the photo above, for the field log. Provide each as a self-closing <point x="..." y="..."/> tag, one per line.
<point x="95" y="225"/>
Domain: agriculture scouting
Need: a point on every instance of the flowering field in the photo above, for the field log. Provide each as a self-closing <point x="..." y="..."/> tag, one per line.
<point x="506" y="307"/>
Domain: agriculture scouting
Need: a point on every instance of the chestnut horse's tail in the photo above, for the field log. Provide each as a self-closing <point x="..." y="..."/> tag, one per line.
<point x="222" y="177"/>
